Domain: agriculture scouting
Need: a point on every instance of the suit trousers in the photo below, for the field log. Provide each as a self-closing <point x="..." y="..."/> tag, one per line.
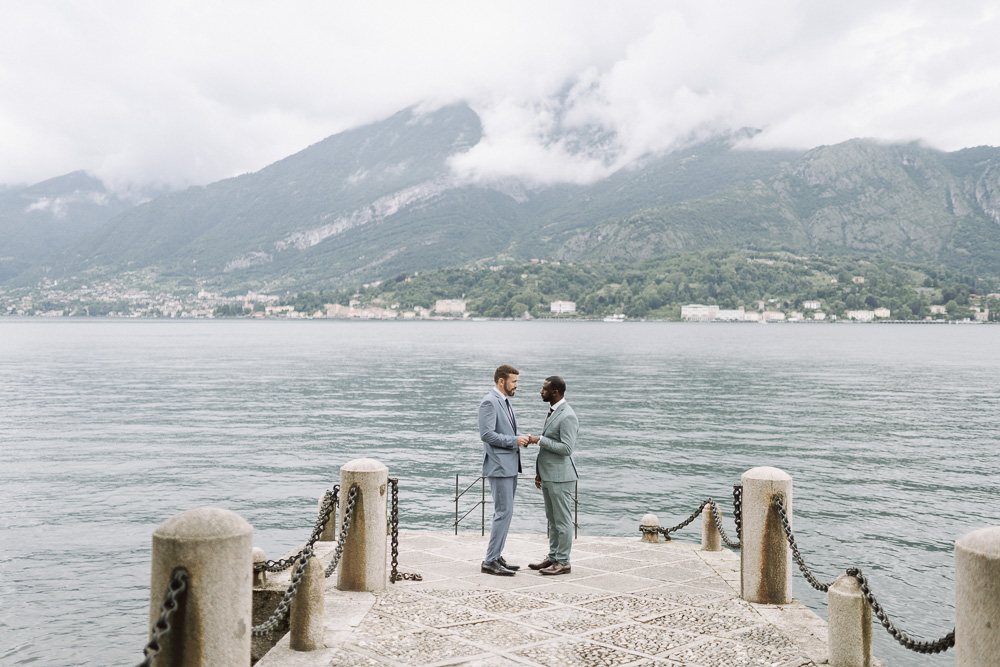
<point x="558" y="497"/>
<point x="502" y="489"/>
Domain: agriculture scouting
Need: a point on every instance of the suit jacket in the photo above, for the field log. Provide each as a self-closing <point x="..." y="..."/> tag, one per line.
<point x="555" y="448"/>
<point x="501" y="455"/>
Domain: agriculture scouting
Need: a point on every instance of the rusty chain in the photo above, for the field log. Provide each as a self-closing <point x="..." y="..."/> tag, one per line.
<point x="327" y="509"/>
<point x="171" y="601"/>
<point x="281" y="611"/>
<point x="779" y="504"/>
<point x="345" y="527"/>
<point x="937" y="646"/>
<point x="396" y="575"/>
<point x="738" y="515"/>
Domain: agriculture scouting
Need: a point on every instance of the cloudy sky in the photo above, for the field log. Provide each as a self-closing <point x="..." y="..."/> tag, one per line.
<point x="180" y="93"/>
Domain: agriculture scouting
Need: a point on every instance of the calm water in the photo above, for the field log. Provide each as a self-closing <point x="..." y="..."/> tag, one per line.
<point x="108" y="428"/>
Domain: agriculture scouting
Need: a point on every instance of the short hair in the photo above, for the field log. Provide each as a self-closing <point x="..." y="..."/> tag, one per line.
<point x="503" y="372"/>
<point x="557" y="383"/>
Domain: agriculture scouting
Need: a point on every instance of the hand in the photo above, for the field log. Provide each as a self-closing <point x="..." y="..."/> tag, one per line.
<point x="538" y="481"/>
<point x="523" y="440"/>
<point x="533" y="439"/>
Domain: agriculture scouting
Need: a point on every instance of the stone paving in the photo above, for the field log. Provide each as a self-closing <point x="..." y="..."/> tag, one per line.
<point x="626" y="602"/>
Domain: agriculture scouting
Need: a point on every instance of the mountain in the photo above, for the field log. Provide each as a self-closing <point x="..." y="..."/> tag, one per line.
<point x="48" y="216"/>
<point x="379" y="200"/>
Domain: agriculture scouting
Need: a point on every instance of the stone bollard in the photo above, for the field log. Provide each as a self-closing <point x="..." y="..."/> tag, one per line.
<point x="710" y="538"/>
<point x="305" y="622"/>
<point x="259" y="578"/>
<point x="329" y="533"/>
<point x="649" y="521"/>
<point x="362" y="566"/>
<point x="765" y="559"/>
<point x="977" y="598"/>
<point x="850" y="624"/>
<point x="212" y="629"/>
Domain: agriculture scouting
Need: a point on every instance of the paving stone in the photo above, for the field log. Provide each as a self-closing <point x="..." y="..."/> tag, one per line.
<point x="630" y="606"/>
<point x="685" y="571"/>
<point x="609" y="563"/>
<point x="417" y="648"/>
<point x="427" y="611"/>
<point x="620" y="582"/>
<point x="577" y="653"/>
<point x="702" y="621"/>
<point x="726" y="653"/>
<point x="695" y="597"/>
<point x="568" y="620"/>
<point x="644" y="638"/>
<point x="504" y="603"/>
<point x="379" y="625"/>
<point x="344" y="657"/>
<point x="501" y="634"/>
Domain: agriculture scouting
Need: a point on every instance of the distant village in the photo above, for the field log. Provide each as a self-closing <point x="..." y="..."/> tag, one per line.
<point x="113" y="299"/>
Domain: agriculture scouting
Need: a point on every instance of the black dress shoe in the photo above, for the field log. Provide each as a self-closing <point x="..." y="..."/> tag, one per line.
<point x="494" y="567"/>
<point x="508" y="565"/>
<point x="541" y="566"/>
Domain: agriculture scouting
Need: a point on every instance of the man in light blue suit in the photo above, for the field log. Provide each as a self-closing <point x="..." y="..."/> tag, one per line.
<point x="501" y="463"/>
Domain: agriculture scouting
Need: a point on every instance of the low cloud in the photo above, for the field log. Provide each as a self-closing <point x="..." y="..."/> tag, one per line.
<point x="176" y="95"/>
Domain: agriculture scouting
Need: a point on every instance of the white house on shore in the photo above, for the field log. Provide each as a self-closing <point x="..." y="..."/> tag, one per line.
<point x="861" y="315"/>
<point x="449" y="306"/>
<point x="562" y="307"/>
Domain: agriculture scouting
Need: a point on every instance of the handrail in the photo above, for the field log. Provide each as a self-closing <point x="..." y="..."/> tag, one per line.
<point x="483" y="501"/>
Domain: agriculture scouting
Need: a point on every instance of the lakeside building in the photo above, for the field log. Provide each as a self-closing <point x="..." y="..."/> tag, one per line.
<point x="861" y="315"/>
<point x="938" y="310"/>
<point x="882" y="313"/>
<point x="696" y="312"/>
<point x="562" y="307"/>
<point x="449" y="306"/>
<point x="811" y="305"/>
<point x="730" y="315"/>
<point x="773" y="316"/>
<point x="819" y="316"/>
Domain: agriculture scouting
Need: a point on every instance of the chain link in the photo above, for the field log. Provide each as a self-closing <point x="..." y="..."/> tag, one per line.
<point x="281" y="611"/>
<point x="738" y="510"/>
<point x="737" y="504"/>
<point x="326" y="511"/>
<point x="396" y="575"/>
<point x="937" y="646"/>
<point x="175" y="589"/>
<point x="718" y="524"/>
<point x="345" y="527"/>
<point x="779" y="504"/>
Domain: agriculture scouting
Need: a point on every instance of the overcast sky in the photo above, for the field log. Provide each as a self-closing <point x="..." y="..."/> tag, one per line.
<point x="179" y="93"/>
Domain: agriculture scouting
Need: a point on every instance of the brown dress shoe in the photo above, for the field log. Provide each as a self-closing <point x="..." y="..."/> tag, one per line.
<point x="541" y="566"/>
<point x="556" y="568"/>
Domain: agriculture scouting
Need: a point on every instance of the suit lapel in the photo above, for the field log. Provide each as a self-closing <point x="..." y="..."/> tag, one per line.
<point x="551" y="419"/>
<point x="502" y="404"/>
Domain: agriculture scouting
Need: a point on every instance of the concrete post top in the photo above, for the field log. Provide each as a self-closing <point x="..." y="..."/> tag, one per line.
<point x="649" y="520"/>
<point x="983" y="542"/>
<point x="363" y="465"/>
<point x="766" y="473"/>
<point x="846" y="586"/>
<point x="203" y="524"/>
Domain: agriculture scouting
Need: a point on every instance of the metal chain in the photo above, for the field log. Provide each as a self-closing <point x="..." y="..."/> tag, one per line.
<point x="943" y="644"/>
<point x="345" y="527"/>
<point x="738" y="510"/>
<point x="175" y="589"/>
<point x="666" y="531"/>
<point x="396" y="575"/>
<point x="286" y="602"/>
<point x="326" y="511"/>
<point x="779" y="504"/>
<point x="718" y="525"/>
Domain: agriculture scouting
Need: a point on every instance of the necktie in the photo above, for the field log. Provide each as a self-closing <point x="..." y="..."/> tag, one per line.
<point x="551" y="410"/>
<point x="510" y="411"/>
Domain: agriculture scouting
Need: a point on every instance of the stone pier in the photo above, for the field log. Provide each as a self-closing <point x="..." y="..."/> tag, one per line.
<point x="626" y="602"/>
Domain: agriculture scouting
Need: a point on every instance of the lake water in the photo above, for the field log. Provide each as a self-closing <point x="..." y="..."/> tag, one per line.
<point x="108" y="428"/>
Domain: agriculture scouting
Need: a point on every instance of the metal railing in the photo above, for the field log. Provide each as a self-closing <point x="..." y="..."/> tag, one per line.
<point x="483" y="501"/>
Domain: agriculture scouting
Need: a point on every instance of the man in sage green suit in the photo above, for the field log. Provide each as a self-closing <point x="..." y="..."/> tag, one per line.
<point x="555" y="475"/>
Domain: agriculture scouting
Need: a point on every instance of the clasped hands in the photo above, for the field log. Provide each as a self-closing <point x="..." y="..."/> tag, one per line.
<point x="525" y="440"/>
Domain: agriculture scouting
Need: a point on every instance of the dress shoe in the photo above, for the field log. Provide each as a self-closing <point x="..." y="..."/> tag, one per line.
<point x="508" y="565"/>
<point x="494" y="567"/>
<point x="541" y="566"/>
<point x="555" y="568"/>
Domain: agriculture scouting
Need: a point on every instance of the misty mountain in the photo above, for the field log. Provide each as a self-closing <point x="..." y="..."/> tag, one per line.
<point x="378" y="200"/>
<point x="48" y="216"/>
